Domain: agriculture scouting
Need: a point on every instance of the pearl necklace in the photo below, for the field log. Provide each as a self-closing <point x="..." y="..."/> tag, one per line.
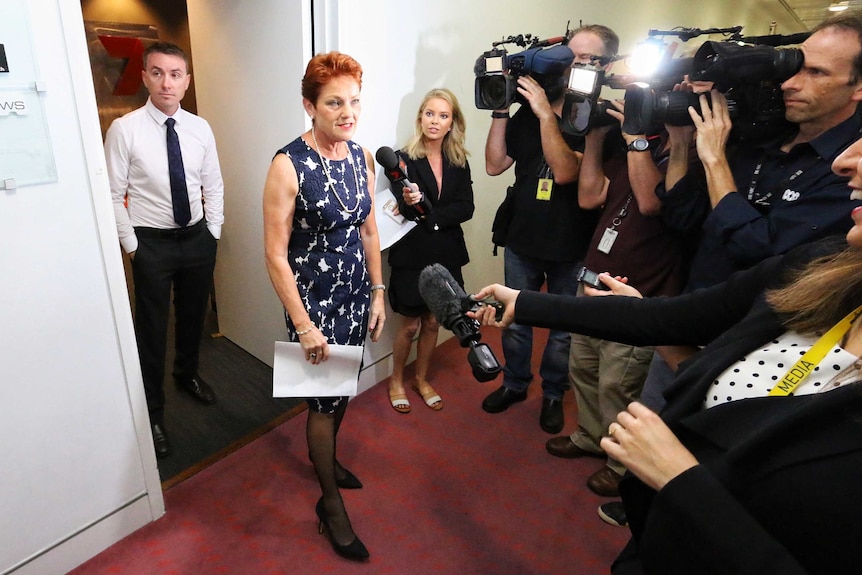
<point x="324" y="163"/>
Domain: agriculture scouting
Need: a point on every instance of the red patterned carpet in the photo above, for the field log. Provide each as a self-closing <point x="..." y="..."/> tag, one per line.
<point x="458" y="491"/>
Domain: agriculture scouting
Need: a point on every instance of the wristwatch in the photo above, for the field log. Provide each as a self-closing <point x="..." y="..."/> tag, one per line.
<point x="638" y="145"/>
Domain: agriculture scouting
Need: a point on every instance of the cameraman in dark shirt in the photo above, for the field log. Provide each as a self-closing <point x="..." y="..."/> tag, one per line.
<point x="548" y="232"/>
<point x="770" y="197"/>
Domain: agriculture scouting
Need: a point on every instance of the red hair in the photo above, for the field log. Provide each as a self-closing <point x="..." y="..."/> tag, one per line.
<point x="323" y="68"/>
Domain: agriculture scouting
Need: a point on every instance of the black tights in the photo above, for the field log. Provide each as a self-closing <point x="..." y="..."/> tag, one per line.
<point x="320" y="431"/>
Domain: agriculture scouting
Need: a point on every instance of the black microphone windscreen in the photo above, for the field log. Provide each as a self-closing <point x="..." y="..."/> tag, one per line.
<point x="442" y="294"/>
<point x="386" y="157"/>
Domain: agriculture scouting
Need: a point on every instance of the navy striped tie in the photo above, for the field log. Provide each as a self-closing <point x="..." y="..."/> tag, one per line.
<point x="179" y="191"/>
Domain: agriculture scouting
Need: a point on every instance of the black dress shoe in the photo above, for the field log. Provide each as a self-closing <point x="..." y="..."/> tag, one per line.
<point x="501" y="399"/>
<point x="199" y="389"/>
<point x="552" y="418"/>
<point x="160" y="440"/>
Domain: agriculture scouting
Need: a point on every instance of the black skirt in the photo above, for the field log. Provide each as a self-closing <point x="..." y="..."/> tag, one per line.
<point x="404" y="294"/>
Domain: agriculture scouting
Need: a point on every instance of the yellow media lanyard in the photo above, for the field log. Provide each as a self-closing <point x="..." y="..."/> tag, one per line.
<point x="806" y="364"/>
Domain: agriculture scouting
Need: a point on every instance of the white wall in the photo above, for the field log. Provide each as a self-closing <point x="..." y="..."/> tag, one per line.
<point x="78" y="470"/>
<point x="247" y="68"/>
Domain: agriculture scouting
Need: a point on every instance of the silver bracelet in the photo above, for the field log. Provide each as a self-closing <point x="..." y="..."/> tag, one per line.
<point x="378" y="286"/>
<point x="305" y="331"/>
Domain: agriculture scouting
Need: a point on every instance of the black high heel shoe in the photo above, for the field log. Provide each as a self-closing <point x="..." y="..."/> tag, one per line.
<point x="355" y="550"/>
<point x="349" y="481"/>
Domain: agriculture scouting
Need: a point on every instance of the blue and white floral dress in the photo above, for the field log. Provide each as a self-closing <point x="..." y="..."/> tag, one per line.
<point x="325" y="249"/>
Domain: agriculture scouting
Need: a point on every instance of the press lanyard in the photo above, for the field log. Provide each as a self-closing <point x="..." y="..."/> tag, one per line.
<point x="763" y="200"/>
<point x="806" y="364"/>
<point x="615" y="223"/>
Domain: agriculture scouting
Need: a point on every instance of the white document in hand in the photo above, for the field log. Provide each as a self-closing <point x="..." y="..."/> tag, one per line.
<point x="390" y="227"/>
<point x="294" y="376"/>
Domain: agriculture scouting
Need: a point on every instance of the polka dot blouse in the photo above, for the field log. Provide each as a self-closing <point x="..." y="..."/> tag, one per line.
<point x="756" y="373"/>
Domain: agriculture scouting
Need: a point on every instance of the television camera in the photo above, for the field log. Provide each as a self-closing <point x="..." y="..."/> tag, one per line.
<point x="497" y="71"/>
<point x="748" y="71"/>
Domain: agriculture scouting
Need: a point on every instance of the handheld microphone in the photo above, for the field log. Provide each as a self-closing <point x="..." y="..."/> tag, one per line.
<point x="443" y="296"/>
<point x="448" y="302"/>
<point x="395" y="173"/>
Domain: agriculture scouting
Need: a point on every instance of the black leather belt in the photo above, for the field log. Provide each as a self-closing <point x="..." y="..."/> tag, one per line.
<point x="171" y="233"/>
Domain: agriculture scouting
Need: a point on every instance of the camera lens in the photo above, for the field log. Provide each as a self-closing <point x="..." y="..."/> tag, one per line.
<point x="492" y="92"/>
<point x="576" y="114"/>
<point x="672" y="107"/>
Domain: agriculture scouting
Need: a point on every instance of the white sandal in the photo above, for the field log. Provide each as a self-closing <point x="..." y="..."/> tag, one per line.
<point x="399" y="402"/>
<point x="431" y="398"/>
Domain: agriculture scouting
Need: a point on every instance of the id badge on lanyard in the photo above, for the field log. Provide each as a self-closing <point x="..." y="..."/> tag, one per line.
<point x="545" y="185"/>
<point x="610" y="234"/>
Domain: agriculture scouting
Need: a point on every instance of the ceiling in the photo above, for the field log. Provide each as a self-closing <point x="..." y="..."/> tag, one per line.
<point x="809" y="13"/>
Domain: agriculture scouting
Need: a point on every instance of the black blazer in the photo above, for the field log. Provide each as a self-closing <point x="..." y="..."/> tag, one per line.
<point x="779" y="485"/>
<point x="438" y="238"/>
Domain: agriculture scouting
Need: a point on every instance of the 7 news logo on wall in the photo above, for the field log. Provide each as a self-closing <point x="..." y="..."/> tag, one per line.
<point x="4" y="65"/>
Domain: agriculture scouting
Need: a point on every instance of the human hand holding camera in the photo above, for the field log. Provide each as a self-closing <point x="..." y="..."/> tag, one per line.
<point x="597" y="133"/>
<point x="681" y="135"/>
<point x="535" y="95"/>
<point x="712" y="127"/>
<point x="615" y="110"/>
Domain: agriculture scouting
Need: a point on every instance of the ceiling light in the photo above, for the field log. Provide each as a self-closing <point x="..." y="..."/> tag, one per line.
<point x="839" y="6"/>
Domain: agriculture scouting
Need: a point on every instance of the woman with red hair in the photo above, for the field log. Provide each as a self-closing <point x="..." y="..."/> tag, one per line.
<point x="323" y="257"/>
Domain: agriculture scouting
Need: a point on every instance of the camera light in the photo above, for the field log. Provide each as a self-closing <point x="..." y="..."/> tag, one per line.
<point x="582" y="80"/>
<point x="494" y="64"/>
<point x="646" y="57"/>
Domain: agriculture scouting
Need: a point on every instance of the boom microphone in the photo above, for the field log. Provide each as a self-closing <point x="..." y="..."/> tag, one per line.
<point x="395" y="173"/>
<point x="448" y="302"/>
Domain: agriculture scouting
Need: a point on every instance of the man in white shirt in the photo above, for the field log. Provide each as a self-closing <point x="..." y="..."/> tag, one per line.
<point x="168" y="197"/>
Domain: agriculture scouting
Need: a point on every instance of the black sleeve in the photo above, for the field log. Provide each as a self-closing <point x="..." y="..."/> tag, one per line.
<point x="685" y="206"/>
<point x="691" y="319"/>
<point x="711" y="532"/>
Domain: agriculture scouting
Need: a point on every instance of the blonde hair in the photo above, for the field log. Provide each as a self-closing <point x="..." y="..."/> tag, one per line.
<point x="824" y="291"/>
<point x="453" y="141"/>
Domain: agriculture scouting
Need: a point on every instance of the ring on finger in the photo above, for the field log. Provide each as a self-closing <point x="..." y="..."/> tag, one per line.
<point x="312" y="355"/>
<point x="612" y="428"/>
